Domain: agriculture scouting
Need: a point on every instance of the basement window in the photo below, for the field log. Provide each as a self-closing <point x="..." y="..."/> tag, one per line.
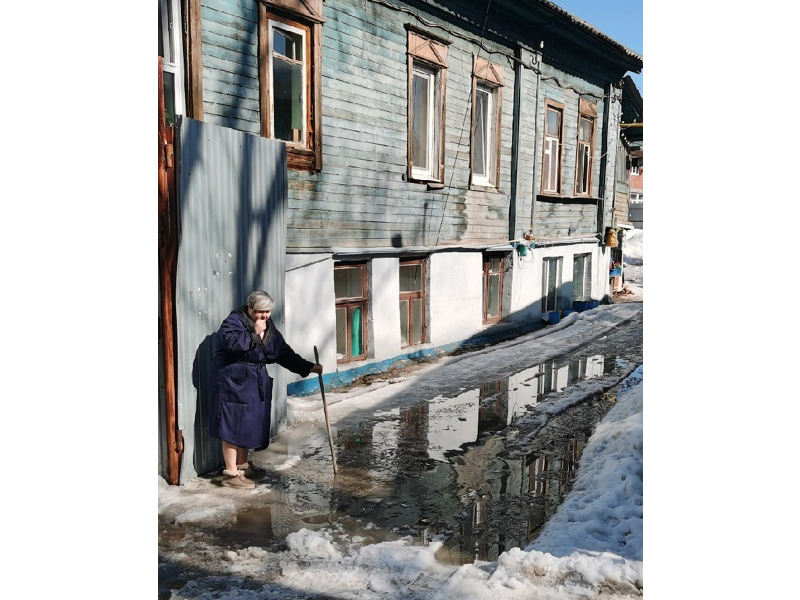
<point x="551" y="282"/>
<point x="582" y="277"/>
<point x="492" y="288"/>
<point x="350" y="287"/>
<point x="412" y="302"/>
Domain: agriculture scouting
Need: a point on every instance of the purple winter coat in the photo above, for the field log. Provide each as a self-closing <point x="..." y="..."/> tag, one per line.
<point x="241" y="387"/>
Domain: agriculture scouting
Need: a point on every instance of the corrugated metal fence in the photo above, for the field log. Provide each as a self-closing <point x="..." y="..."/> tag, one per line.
<point x="232" y="191"/>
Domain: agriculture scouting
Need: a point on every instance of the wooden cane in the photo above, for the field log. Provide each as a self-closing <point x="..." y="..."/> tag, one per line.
<point x="325" y="408"/>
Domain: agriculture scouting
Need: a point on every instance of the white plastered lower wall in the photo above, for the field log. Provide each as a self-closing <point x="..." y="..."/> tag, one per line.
<point x="526" y="278"/>
<point x="455" y="296"/>
<point x="309" y="314"/>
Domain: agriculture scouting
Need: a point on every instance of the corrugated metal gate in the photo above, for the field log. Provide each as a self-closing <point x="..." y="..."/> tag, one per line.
<point x="232" y="191"/>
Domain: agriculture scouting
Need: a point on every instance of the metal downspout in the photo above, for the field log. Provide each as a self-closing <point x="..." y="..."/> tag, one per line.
<point x="512" y="204"/>
<point x="534" y="187"/>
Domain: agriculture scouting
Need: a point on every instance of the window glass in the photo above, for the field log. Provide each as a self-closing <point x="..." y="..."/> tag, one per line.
<point x="494" y="295"/>
<point x="480" y="139"/>
<point x="404" y="323"/>
<point x="586" y="130"/>
<point x="419" y="129"/>
<point x="411" y="278"/>
<point x="416" y="315"/>
<point x="348" y="283"/>
<point x="553" y="122"/>
<point x="288" y="100"/>
<point x="356" y="331"/>
<point x="341" y="333"/>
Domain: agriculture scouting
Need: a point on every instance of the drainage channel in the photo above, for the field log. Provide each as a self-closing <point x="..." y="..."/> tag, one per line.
<point x="449" y="469"/>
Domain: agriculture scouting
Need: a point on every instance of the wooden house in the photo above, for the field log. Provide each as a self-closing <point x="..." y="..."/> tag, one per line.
<point x="450" y="164"/>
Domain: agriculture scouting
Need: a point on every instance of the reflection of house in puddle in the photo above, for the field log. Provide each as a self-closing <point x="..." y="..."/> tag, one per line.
<point x="450" y="475"/>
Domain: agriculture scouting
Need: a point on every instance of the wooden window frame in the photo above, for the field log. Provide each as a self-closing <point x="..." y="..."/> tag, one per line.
<point x="348" y="304"/>
<point x="586" y="110"/>
<point x="487" y="260"/>
<point x="559" y="107"/>
<point x="488" y="75"/>
<point x="427" y="52"/>
<point x="305" y="15"/>
<point x="170" y="36"/>
<point x="415" y="295"/>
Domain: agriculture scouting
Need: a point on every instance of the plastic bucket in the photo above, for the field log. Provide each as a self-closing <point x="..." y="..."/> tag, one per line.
<point x="580" y="305"/>
<point x="566" y="311"/>
<point x="553" y="317"/>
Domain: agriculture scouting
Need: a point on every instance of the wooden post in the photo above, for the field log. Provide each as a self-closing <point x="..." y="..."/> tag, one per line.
<point x="167" y="253"/>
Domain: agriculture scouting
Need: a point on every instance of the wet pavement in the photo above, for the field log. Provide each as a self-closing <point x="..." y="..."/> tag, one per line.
<point x="481" y="469"/>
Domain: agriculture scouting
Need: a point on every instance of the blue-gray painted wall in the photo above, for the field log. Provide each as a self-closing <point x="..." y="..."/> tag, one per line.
<point x="360" y="198"/>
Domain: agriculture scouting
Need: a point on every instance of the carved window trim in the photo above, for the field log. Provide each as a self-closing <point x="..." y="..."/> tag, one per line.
<point x="487" y="77"/>
<point x="427" y="54"/>
<point x="304" y="15"/>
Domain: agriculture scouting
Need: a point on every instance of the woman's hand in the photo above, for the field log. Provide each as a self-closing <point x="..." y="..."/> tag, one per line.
<point x="260" y="327"/>
<point x="317" y="368"/>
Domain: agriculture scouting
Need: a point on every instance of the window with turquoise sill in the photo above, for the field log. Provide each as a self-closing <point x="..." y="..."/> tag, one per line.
<point x="350" y="287"/>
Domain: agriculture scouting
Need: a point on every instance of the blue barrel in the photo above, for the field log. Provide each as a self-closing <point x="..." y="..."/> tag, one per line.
<point x="567" y="311"/>
<point x="554" y="317"/>
<point x="580" y="305"/>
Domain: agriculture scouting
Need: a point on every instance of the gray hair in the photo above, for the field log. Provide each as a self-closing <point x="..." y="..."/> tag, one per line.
<point x="260" y="300"/>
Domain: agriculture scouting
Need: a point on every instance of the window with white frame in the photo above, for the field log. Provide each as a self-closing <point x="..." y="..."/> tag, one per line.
<point x="582" y="277"/>
<point x="551" y="161"/>
<point x="288" y="82"/>
<point x="487" y="81"/>
<point x="427" y="68"/>
<point x="289" y="36"/>
<point x="585" y="159"/>
<point x="551" y="282"/>
<point x="170" y="50"/>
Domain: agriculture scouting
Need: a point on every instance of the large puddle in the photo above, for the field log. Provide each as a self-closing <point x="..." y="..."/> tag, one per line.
<point x="448" y="468"/>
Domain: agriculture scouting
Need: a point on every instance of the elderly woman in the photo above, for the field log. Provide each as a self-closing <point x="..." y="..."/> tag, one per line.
<point x="241" y="387"/>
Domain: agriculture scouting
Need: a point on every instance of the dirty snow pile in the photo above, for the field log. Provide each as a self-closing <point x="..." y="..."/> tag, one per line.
<point x="591" y="547"/>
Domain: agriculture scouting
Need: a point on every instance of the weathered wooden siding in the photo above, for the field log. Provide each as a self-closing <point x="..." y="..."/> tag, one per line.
<point x="567" y="215"/>
<point x="360" y="199"/>
<point x="621" y="209"/>
<point x="229" y="32"/>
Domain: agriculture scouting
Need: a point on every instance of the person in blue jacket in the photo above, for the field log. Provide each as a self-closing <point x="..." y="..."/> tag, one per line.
<point x="241" y="386"/>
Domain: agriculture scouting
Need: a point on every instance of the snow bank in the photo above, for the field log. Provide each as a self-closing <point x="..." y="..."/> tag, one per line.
<point x="633" y="246"/>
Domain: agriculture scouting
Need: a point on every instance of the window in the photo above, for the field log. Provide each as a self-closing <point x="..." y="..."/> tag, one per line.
<point x="427" y="68"/>
<point x="551" y="269"/>
<point x="412" y="302"/>
<point x="487" y="80"/>
<point x="169" y="48"/>
<point x="582" y="277"/>
<point x="290" y="82"/>
<point x="492" y="288"/>
<point x="350" y="287"/>
<point x="551" y="162"/>
<point x="635" y="170"/>
<point x="585" y="159"/>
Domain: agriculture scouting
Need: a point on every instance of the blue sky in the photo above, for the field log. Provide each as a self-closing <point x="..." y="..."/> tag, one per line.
<point x="621" y="20"/>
